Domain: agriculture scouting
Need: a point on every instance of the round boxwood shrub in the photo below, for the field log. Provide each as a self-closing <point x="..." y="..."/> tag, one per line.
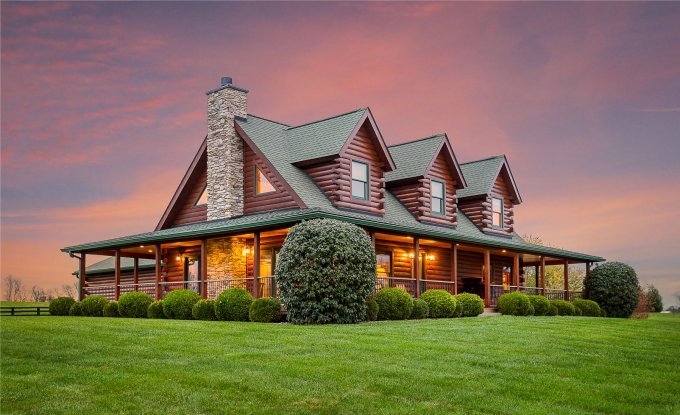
<point x="265" y="310"/>
<point x="75" y="310"/>
<point x="393" y="304"/>
<point x="178" y="304"/>
<point x="564" y="308"/>
<point x="326" y="271"/>
<point x="233" y="305"/>
<point x="111" y="309"/>
<point x="515" y="304"/>
<point x="93" y="306"/>
<point x="61" y="306"/>
<point x="614" y="286"/>
<point x="577" y="311"/>
<point x="421" y="309"/>
<point x="440" y="303"/>
<point x="552" y="310"/>
<point x="155" y="310"/>
<point x="134" y="304"/>
<point x="204" y="310"/>
<point x="588" y="308"/>
<point x="471" y="305"/>
<point x="371" y="310"/>
<point x="540" y="304"/>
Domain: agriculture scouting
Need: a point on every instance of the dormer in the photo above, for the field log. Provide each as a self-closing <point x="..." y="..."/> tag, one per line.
<point x="490" y="199"/>
<point x="346" y="157"/>
<point x="427" y="179"/>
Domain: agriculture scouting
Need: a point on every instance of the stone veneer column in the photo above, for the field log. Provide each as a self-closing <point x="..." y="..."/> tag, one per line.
<point x="225" y="150"/>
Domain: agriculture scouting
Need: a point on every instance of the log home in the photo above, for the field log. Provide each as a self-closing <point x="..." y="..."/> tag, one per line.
<point x="434" y="222"/>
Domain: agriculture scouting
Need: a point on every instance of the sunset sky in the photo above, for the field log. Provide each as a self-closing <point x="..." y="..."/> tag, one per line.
<point x="104" y="106"/>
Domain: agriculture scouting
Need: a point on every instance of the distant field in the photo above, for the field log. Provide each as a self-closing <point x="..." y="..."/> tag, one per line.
<point x="492" y="365"/>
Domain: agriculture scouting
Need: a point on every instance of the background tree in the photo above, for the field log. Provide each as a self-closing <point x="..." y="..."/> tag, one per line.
<point x="14" y="289"/>
<point x="654" y="299"/>
<point x="554" y="274"/>
<point x="69" y="290"/>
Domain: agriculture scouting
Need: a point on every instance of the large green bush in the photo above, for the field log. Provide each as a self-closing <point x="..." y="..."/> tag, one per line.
<point x="588" y="308"/>
<point x="61" y="306"/>
<point x="111" y="309"/>
<point x="515" y="303"/>
<point x="233" y="305"/>
<point x="93" y="306"/>
<point x="440" y="303"/>
<point x="204" y="310"/>
<point x="134" y="304"/>
<point x="156" y="310"/>
<point x="393" y="304"/>
<point x="265" y="310"/>
<point x="471" y="305"/>
<point x="614" y="286"/>
<point x="421" y="309"/>
<point x="76" y="310"/>
<point x="564" y="308"/>
<point x="541" y="305"/>
<point x="371" y="310"/>
<point x="326" y="272"/>
<point x="552" y="311"/>
<point x="178" y="304"/>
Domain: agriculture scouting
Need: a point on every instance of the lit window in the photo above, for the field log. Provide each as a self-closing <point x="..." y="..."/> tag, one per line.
<point x="203" y="198"/>
<point x="497" y="212"/>
<point x="262" y="185"/>
<point x="438" y="198"/>
<point x="384" y="262"/>
<point x="359" y="180"/>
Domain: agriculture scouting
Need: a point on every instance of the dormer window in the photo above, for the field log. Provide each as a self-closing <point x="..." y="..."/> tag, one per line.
<point x="497" y="212"/>
<point x="438" y="197"/>
<point x="359" y="180"/>
<point x="203" y="198"/>
<point x="262" y="185"/>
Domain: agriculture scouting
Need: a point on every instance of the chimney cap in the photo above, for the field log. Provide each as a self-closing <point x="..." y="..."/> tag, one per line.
<point x="226" y="80"/>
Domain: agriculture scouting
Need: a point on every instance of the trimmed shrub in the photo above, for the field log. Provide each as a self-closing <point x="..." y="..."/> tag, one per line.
<point x="540" y="304"/>
<point x="326" y="272"/>
<point x="421" y="309"/>
<point x="179" y="303"/>
<point x="204" y="310"/>
<point x="564" y="308"/>
<point x="134" y="304"/>
<point x="440" y="303"/>
<point x="614" y="286"/>
<point x="371" y="310"/>
<point x="155" y="310"/>
<point x="111" y="309"/>
<point x="577" y="311"/>
<point x="552" y="310"/>
<point x="76" y="310"/>
<point x="471" y="305"/>
<point x="265" y="310"/>
<point x="233" y="305"/>
<point x="588" y="308"/>
<point x="393" y="304"/>
<point x="61" y="306"/>
<point x="515" y="304"/>
<point x="93" y="306"/>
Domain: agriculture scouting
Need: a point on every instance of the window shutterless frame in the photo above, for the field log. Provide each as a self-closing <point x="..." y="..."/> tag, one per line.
<point x="360" y="180"/>
<point x="438" y="197"/>
<point x="258" y="183"/>
<point x="497" y="212"/>
<point x="204" y="192"/>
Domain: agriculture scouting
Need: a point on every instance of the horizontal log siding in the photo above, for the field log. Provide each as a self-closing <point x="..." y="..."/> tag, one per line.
<point x="497" y="265"/>
<point x="440" y="268"/>
<point x="185" y="210"/>
<point x="479" y="209"/>
<point x="438" y="171"/>
<point x="252" y="203"/>
<point x="470" y="264"/>
<point x="146" y="275"/>
<point x="408" y="196"/>
<point x="266" y="242"/>
<point x="401" y="262"/>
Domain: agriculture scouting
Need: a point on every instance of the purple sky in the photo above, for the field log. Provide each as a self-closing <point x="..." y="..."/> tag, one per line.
<point x="103" y="107"/>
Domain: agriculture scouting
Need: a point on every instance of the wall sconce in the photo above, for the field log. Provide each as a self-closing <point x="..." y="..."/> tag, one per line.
<point x="179" y="257"/>
<point x="430" y="257"/>
<point x="246" y="251"/>
<point x="504" y="251"/>
<point x="411" y="255"/>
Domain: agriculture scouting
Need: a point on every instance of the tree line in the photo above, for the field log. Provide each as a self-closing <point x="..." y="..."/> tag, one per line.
<point x="14" y="289"/>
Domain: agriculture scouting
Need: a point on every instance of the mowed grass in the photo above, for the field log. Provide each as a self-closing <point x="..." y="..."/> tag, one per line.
<point x="492" y="365"/>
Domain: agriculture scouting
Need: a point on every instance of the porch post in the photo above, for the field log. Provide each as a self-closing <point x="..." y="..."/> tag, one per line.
<point x="135" y="273"/>
<point x="158" y="271"/>
<point x="566" y="280"/>
<point x="256" y="264"/>
<point x="515" y="272"/>
<point x="537" y="273"/>
<point x="586" y="282"/>
<point x="81" y="278"/>
<point x="487" y="278"/>
<point x="454" y="267"/>
<point x="416" y="264"/>
<point x="117" y="275"/>
<point x="204" y="270"/>
<point x="543" y="275"/>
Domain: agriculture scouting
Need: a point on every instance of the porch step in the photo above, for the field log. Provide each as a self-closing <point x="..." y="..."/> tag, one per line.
<point x="490" y="312"/>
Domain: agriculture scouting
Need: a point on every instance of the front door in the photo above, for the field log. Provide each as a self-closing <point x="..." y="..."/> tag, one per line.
<point x="192" y="273"/>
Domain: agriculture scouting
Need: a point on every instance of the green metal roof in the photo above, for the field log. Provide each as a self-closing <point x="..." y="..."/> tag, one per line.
<point x="413" y="158"/>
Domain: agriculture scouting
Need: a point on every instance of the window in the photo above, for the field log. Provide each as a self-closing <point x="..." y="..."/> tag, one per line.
<point x="384" y="261"/>
<point x="507" y="278"/>
<point x="359" y="180"/>
<point x="203" y="198"/>
<point x="262" y="185"/>
<point x="497" y="212"/>
<point x="438" y="197"/>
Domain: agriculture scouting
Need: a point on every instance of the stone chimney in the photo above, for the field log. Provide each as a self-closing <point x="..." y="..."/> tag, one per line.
<point x="225" y="150"/>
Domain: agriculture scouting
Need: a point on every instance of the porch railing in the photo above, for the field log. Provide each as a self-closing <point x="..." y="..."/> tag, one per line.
<point x="406" y="284"/>
<point x="449" y="286"/>
<point x="215" y="287"/>
<point x="146" y="287"/>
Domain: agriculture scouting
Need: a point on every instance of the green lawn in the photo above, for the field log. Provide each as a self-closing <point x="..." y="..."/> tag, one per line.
<point x="498" y="365"/>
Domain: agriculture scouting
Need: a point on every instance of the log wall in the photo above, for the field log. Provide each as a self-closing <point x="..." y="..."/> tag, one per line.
<point x="253" y="203"/>
<point x="185" y="211"/>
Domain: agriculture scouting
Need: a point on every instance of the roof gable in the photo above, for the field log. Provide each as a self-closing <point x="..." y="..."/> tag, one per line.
<point x="482" y="174"/>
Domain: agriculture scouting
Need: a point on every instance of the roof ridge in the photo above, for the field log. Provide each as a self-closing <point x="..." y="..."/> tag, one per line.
<point x="267" y="119"/>
<point x="327" y="118"/>
<point x="484" y="159"/>
<point x="418" y="139"/>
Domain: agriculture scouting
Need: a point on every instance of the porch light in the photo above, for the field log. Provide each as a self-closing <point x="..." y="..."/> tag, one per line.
<point x="430" y="257"/>
<point x="411" y="255"/>
<point x="141" y="246"/>
<point x="504" y="250"/>
<point x="150" y="251"/>
<point x="246" y="251"/>
<point x="179" y="257"/>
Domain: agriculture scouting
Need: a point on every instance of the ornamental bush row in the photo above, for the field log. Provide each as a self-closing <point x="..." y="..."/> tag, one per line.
<point x="519" y="304"/>
<point x="397" y="304"/>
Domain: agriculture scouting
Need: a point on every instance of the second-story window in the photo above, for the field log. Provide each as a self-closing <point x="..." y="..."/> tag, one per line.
<point x="359" y="180"/>
<point x="203" y="197"/>
<point x="438" y="197"/>
<point x="497" y="212"/>
<point x="262" y="185"/>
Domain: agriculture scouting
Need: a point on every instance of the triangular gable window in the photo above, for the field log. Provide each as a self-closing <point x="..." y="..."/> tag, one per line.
<point x="262" y="184"/>
<point x="203" y="198"/>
